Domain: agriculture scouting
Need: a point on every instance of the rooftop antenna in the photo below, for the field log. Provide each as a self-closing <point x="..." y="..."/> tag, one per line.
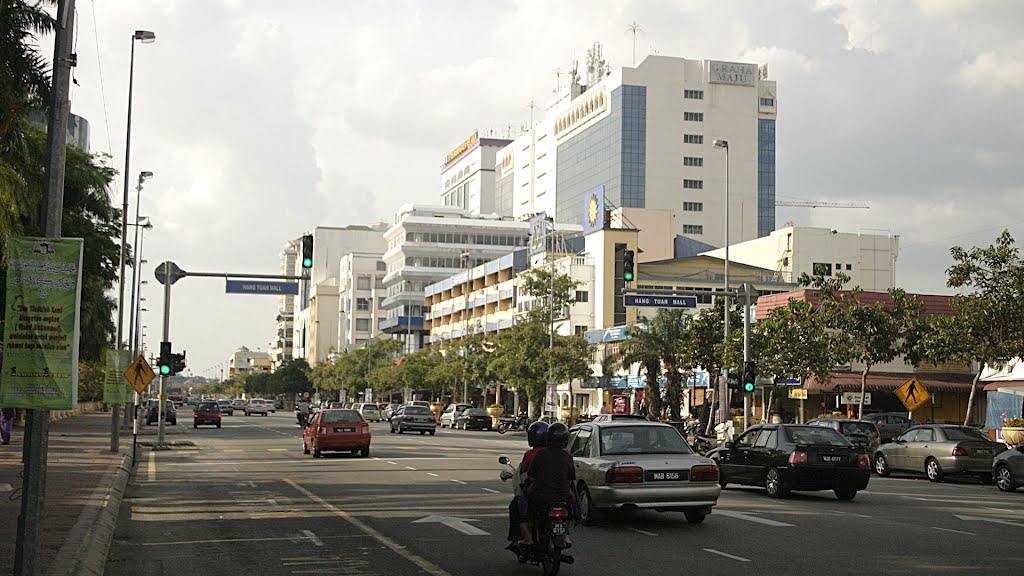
<point x="532" y="106"/>
<point x="558" y="78"/>
<point x="634" y="28"/>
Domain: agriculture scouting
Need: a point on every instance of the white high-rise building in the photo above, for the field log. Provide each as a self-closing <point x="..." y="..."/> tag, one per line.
<point x="468" y="177"/>
<point x="361" y="295"/>
<point x="281" y="348"/>
<point x="646" y="136"/>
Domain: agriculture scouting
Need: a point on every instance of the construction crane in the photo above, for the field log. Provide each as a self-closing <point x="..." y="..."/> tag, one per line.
<point x="804" y="203"/>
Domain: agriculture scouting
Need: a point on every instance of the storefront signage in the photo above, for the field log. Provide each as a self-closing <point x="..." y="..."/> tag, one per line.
<point x="462" y="148"/>
<point x="732" y="73"/>
<point x="660" y="301"/>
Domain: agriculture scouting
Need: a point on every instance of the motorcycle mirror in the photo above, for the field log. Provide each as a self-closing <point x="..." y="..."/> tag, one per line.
<point x="502" y="459"/>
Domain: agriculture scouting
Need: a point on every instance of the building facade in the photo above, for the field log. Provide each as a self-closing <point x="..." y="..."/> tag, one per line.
<point x="245" y="361"/>
<point x="281" y="349"/>
<point x="361" y="296"/>
<point x="468" y="177"/>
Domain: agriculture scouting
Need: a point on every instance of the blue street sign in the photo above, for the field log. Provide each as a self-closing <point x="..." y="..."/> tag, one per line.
<point x="262" y="287"/>
<point x="660" y="301"/>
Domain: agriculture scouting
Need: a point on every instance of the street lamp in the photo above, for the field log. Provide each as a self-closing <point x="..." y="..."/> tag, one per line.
<point x="143" y="176"/>
<point x="723" y="387"/>
<point x="146" y="37"/>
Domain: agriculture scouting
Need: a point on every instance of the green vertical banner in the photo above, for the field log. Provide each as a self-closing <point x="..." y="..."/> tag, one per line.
<point x="44" y="290"/>
<point x="116" y="389"/>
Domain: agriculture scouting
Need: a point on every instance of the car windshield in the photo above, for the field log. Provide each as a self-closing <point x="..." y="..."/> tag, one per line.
<point x="964" y="433"/>
<point x="421" y="410"/>
<point x="642" y="440"/>
<point x="816" y="436"/>
<point x="209" y="406"/>
<point x="475" y="412"/>
<point x="369" y="407"/>
<point x="340" y="416"/>
<point x="856" y="429"/>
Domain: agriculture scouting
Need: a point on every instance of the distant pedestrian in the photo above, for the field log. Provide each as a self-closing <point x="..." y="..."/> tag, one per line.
<point x="604" y="408"/>
<point x="6" y="421"/>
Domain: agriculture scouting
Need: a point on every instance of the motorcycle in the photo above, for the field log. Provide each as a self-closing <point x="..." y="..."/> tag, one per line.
<point x="303" y="419"/>
<point x="518" y="424"/>
<point x="549" y="530"/>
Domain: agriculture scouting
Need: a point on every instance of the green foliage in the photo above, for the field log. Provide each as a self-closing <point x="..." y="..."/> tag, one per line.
<point x="90" y="381"/>
<point x="537" y="282"/>
<point x="658" y="345"/>
<point x="350" y="370"/>
<point x="519" y="360"/>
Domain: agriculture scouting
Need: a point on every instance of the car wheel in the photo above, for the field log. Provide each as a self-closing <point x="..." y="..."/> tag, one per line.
<point x="774" y="484"/>
<point x="845" y="493"/>
<point x="881" y="465"/>
<point x="218" y="424"/>
<point x="695" y="516"/>
<point x="305" y="449"/>
<point x="423" y="432"/>
<point x="174" y="422"/>
<point x="589" y="514"/>
<point x="400" y="429"/>
<point x="933" y="470"/>
<point x="365" y="452"/>
<point x="316" y="451"/>
<point x="392" y="429"/>
<point x="432" y="432"/>
<point x="195" y="425"/>
<point x="1004" y="479"/>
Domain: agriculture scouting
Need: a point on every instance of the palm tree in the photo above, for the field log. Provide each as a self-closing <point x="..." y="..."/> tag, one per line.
<point x="654" y="346"/>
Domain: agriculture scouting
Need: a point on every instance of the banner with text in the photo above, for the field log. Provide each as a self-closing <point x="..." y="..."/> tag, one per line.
<point x="44" y="290"/>
<point x="115" y="389"/>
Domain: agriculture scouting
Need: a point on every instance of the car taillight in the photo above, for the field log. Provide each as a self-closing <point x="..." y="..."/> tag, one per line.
<point x="364" y="428"/>
<point x="196" y="415"/>
<point x="624" y="475"/>
<point x="798" y="458"/>
<point x="407" y="418"/>
<point x="704" y="473"/>
<point x="558" y="513"/>
<point x="959" y="451"/>
<point x="431" y="419"/>
<point x="323" y="430"/>
<point x="863" y="461"/>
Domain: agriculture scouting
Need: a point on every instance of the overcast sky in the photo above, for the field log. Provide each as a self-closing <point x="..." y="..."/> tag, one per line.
<point x="264" y="119"/>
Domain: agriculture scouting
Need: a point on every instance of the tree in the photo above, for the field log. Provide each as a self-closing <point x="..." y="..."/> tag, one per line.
<point x="701" y="345"/>
<point x="291" y="378"/>
<point x="571" y="358"/>
<point x="537" y="282"/>
<point x="656" y="344"/>
<point x="518" y="359"/>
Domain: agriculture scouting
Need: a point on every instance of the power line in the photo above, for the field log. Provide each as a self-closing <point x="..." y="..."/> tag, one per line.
<point x="99" y="66"/>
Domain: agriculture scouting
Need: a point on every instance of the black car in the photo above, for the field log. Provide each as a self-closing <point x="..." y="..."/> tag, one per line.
<point x="170" y="412"/>
<point x="786" y="457"/>
<point x="473" y="419"/>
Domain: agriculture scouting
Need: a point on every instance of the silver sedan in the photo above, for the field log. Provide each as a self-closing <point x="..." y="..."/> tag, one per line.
<point x="1008" y="469"/>
<point x="939" y="450"/>
<point x="637" y="464"/>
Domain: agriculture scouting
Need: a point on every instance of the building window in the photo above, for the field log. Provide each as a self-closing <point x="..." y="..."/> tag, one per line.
<point x="579" y="330"/>
<point x="693" y="206"/>
<point x="363" y="282"/>
<point x="693" y="184"/>
<point x="380" y="303"/>
<point x="693" y="116"/>
<point x="582" y="296"/>
<point x="693" y="94"/>
<point x="849" y="266"/>
<point x="381" y="266"/>
<point x="693" y="161"/>
<point x="822" y="269"/>
<point x="693" y="138"/>
<point x="767" y="101"/>
<point x="362" y="324"/>
<point x="692" y="229"/>
<point x="363" y="304"/>
<point x="379" y="282"/>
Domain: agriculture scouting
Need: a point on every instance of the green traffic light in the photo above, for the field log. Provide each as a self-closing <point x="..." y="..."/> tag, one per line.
<point x="307" y="263"/>
<point x="165" y="370"/>
<point x="628" y="276"/>
<point x="748" y="387"/>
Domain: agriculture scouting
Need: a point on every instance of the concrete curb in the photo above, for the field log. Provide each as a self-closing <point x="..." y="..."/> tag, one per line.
<point x="87" y="546"/>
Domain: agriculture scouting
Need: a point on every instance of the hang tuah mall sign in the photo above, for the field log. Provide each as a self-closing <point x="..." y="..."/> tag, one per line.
<point x="660" y="301"/>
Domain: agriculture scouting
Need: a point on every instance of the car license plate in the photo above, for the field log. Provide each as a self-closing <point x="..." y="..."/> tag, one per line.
<point x="665" y="476"/>
<point x="558" y="528"/>
<point x="344" y="429"/>
<point x="832" y="458"/>
<point x="983" y="452"/>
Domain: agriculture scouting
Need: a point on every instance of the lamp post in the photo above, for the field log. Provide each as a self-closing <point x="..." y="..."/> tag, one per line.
<point x="723" y="387"/>
<point x="143" y="176"/>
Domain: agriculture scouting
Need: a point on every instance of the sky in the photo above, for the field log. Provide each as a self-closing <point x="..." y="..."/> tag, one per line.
<point x="264" y="119"/>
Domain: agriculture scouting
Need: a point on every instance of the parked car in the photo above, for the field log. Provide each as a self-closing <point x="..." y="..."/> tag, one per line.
<point x="239" y="404"/>
<point x="451" y="412"/>
<point x="860" y="433"/>
<point x="278" y="405"/>
<point x="419" y="403"/>
<point x="1008" y="469"/>
<point x="413" y="418"/>
<point x="939" y="450"/>
<point x="890" y="424"/>
<point x="225" y="407"/>
<point x="787" y="457"/>
<point x="618" y="417"/>
<point x="369" y="411"/>
<point x="642" y="464"/>
<point x="256" y="406"/>
<point x="170" y="412"/>
<point x="337" y="430"/>
<point x="389" y="411"/>
<point x="206" y="413"/>
<point x="474" y="419"/>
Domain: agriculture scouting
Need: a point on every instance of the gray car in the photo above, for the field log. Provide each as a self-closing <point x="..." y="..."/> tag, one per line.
<point x="637" y="464"/>
<point x="939" y="450"/>
<point x="1008" y="469"/>
<point x="414" y="419"/>
<point x="860" y="433"/>
<point x="890" y="424"/>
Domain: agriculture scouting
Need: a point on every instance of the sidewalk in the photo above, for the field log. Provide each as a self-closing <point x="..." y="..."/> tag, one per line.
<point x="85" y="482"/>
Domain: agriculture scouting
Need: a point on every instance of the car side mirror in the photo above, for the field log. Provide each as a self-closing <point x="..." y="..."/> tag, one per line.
<point x="727" y="444"/>
<point x="502" y="459"/>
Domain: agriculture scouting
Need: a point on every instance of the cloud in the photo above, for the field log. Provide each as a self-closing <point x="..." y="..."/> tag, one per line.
<point x="995" y="72"/>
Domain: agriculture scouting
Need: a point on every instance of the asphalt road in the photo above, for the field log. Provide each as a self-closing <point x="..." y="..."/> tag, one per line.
<point x="245" y="500"/>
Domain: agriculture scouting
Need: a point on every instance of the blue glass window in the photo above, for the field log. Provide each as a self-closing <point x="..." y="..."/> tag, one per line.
<point x="765" y="176"/>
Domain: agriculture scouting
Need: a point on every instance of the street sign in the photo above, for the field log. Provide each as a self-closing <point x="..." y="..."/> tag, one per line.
<point x="169" y="270"/>
<point x="912" y="393"/>
<point x="798" y="393"/>
<point x="139" y="374"/>
<point x="660" y="301"/>
<point x="261" y="287"/>
<point x="854" y="398"/>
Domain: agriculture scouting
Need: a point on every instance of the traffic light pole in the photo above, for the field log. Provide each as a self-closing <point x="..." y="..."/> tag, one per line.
<point x="160" y="442"/>
<point x="746" y="352"/>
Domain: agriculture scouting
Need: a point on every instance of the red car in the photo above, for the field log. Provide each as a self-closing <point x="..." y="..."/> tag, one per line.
<point x="338" y="430"/>
<point x="206" y="413"/>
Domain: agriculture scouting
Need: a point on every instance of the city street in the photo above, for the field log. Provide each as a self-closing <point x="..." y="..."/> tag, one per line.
<point x="245" y="500"/>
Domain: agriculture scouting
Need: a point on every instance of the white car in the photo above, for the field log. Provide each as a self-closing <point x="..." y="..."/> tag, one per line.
<point x="370" y="412"/>
<point x="256" y="406"/>
<point x="451" y="413"/>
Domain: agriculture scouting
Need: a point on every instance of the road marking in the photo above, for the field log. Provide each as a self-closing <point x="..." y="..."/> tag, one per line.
<point x="151" y="467"/>
<point x="850" y="514"/>
<point x="457" y="481"/>
<point x="491" y="491"/>
<point x="390" y="462"/>
<point x="277" y="449"/>
<point x="954" y="531"/>
<point x="461" y="524"/>
<point x="248" y="483"/>
<point x="720" y="553"/>
<point x="645" y="532"/>
<point x="407" y="447"/>
<point x="234" y="450"/>
<point x="228" y="540"/>
<point x="749" y="517"/>
<point x="312" y="538"/>
<point x="409" y="468"/>
<point x="992" y="520"/>
<point x="6" y="488"/>
<point x="424" y="564"/>
<point x="431" y="474"/>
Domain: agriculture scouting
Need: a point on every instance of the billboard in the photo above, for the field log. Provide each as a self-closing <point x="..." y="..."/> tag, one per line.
<point x="538" y="233"/>
<point x="593" y="210"/>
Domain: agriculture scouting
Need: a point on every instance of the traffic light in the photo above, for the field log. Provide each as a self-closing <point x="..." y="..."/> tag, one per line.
<point x="307" y="251"/>
<point x="177" y="363"/>
<point x="628" y="265"/>
<point x="164" y="362"/>
<point x="749" y="376"/>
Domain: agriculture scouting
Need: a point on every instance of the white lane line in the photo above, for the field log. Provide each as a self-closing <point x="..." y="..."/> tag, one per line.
<point x="730" y="556"/>
<point x="409" y="468"/>
<point x="491" y="491"/>
<point x="749" y="517"/>
<point x="645" y="532"/>
<point x="432" y="474"/>
<point x="457" y="481"/>
<point x="992" y="520"/>
<point x="850" y="514"/>
<point x="390" y="462"/>
<point x="312" y="538"/>
<point x="954" y="531"/>
<point x="6" y="488"/>
<point x="151" y="467"/>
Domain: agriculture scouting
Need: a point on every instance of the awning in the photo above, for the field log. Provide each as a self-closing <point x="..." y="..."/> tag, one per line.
<point x="881" y="382"/>
<point x="995" y="386"/>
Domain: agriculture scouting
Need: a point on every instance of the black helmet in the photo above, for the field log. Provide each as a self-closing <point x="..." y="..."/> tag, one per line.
<point x="536" y="434"/>
<point x="558" y="435"/>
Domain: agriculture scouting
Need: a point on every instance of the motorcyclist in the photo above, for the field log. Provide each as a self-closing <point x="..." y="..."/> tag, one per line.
<point x="303" y="408"/>
<point x="551" y="475"/>
<point x="518" y="528"/>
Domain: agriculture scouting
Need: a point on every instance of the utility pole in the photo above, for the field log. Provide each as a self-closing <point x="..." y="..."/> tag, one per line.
<point x="634" y="28"/>
<point x="37" y="422"/>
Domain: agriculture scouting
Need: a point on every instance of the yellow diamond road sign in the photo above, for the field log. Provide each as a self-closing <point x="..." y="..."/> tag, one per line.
<point x="139" y="374"/>
<point x="912" y="393"/>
